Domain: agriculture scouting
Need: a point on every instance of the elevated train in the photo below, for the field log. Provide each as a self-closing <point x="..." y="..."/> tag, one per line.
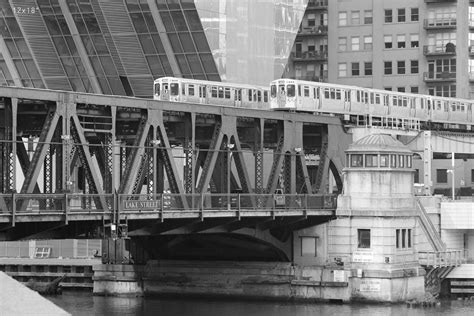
<point x="350" y="102"/>
<point x="211" y="92"/>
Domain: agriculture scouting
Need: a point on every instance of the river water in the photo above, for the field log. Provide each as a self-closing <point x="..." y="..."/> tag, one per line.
<point x="84" y="303"/>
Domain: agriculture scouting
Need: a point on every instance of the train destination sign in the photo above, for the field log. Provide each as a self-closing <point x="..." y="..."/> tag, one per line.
<point x="141" y="205"/>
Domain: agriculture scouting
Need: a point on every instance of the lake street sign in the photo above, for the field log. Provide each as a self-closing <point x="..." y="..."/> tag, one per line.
<point x="130" y="205"/>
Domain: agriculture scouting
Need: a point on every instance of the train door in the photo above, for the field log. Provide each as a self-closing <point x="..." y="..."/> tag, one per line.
<point x="347" y="100"/>
<point x="165" y="91"/>
<point x="469" y="112"/>
<point x="184" y="94"/>
<point x="237" y="97"/>
<point x="202" y="94"/>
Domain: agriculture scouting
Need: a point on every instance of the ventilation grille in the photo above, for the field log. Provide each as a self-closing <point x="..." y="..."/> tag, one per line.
<point x="61" y="83"/>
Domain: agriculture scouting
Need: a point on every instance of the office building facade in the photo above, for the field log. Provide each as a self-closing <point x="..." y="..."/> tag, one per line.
<point x="119" y="47"/>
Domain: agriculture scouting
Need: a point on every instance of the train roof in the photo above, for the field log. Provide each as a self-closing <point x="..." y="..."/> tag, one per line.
<point x="218" y="83"/>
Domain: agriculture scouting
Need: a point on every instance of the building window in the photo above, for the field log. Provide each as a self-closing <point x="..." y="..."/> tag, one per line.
<point x="368" y="17"/>
<point x="414" y="14"/>
<point x="393" y="161"/>
<point x="342" y="44"/>
<point x="441" y="175"/>
<point x="368" y="68"/>
<point x="371" y="161"/>
<point x="401" y="41"/>
<point x="417" y="176"/>
<point x="355" y="17"/>
<point x="414" y="67"/>
<point x="387" y="88"/>
<point x="409" y="161"/>
<point x="342" y="18"/>
<point x="403" y="238"/>
<point x="363" y="238"/>
<point x="401" y="161"/>
<point x="311" y="19"/>
<point x="401" y="15"/>
<point x="388" y="16"/>
<point x="388" y="41"/>
<point x="342" y="70"/>
<point x="414" y="40"/>
<point x="308" y="247"/>
<point x="414" y="89"/>
<point x="401" y="67"/>
<point x="472" y="175"/>
<point x="368" y="42"/>
<point x="356" y="160"/>
<point x="355" y="69"/>
<point x="355" y="43"/>
<point x="387" y="66"/>
<point x="401" y="89"/>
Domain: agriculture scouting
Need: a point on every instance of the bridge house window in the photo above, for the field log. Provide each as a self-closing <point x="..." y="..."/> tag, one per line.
<point x="371" y="161"/>
<point x="363" y="238"/>
<point x="308" y="246"/>
<point x="403" y="238"/>
<point x="441" y="175"/>
<point x="356" y="160"/>
<point x="393" y="161"/>
<point x="384" y="160"/>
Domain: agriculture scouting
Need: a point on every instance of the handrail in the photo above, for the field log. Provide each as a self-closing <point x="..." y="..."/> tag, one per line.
<point x="446" y="258"/>
<point x="429" y="229"/>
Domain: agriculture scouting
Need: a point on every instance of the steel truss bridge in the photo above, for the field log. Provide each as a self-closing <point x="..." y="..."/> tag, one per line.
<point x="72" y="160"/>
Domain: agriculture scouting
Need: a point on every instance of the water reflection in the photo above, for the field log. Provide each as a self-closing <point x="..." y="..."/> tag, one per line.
<point x="83" y="303"/>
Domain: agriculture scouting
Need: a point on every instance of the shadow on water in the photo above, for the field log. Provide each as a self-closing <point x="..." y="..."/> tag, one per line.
<point x="83" y="303"/>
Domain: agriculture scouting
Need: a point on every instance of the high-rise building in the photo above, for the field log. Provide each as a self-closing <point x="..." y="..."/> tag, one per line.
<point x="120" y="46"/>
<point x="422" y="46"/>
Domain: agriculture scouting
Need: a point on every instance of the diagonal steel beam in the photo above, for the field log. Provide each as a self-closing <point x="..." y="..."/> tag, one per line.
<point x="44" y="141"/>
<point x="278" y="158"/>
<point x="211" y="158"/>
<point x="134" y="160"/>
<point x="302" y="171"/>
<point x="24" y="160"/>
<point x="84" y="151"/>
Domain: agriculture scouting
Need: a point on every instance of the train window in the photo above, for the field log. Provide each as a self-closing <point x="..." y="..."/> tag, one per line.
<point x="348" y="96"/>
<point x="463" y="107"/>
<point x="273" y="90"/>
<point x="333" y="94"/>
<point x="191" y="90"/>
<point x="157" y="89"/>
<point x="259" y="96"/>
<point x="227" y="93"/>
<point x="214" y="91"/>
<point x="412" y="103"/>
<point x="316" y="93"/>
<point x="183" y="89"/>
<point x="165" y="88"/>
<point x="469" y="107"/>
<point x="299" y="90"/>
<point x="385" y="100"/>
<point x="250" y="94"/>
<point x="405" y="102"/>
<point x="422" y="103"/>
<point x="306" y="91"/>
<point x="265" y="96"/>
<point x="429" y="105"/>
<point x="377" y="98"/>
<point x="221" y="93"/>
<point x="358" y="96"/>
<point x="372" y="101"/>
<point x="338" y="94"/>
<point x="326" y="93"/>
<point x="281" y="88"/>
<point x="394" y="101"/>
<point x="174" y="88"/>
<point x="290" y="90"/>
<point x="238" y="94"/>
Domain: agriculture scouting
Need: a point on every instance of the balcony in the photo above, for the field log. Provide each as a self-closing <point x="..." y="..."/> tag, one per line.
<point x="435" y="50"/>
<point x="439" y="1"/>
<point x="439" y="76"/>
<point x="313" y="30"/>
<point x="310" y="56"/>
<point x="317" y="5"/>
<point x="442" y="23"/>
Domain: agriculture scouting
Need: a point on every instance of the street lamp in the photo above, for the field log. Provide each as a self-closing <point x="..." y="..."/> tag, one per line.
<point x="452" y="172"/>
<point x="229" y="157"/>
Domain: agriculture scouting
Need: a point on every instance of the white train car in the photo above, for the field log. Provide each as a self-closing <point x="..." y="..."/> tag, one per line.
<point x="211" y="92"/>
<point x="306" y="96"/>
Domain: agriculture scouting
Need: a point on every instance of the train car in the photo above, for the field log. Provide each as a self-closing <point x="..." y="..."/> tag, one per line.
<point x="306" y="96"/>
<point x="211" y="92"/>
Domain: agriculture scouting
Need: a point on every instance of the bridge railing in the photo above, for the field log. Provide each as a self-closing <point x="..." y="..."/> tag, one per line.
<point x="442" y="258"/>
<point x="18" y="203"/>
